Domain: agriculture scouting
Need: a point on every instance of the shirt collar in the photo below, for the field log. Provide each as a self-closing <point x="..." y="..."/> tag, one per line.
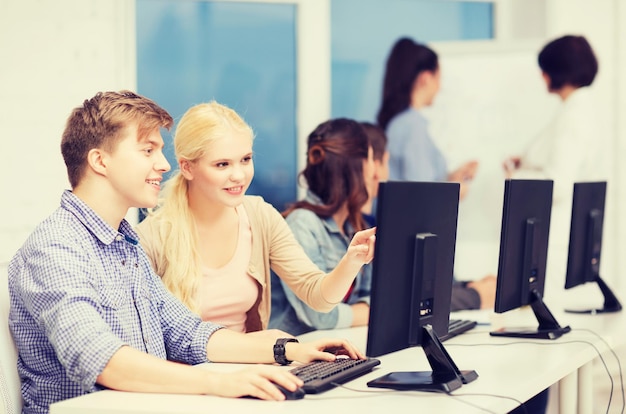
<point x="94" y="223"/>
<point x="578" y="95"/>
<point x="329" y="222"/>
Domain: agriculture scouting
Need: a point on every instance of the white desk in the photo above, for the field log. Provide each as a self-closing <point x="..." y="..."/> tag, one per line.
<point x="507" y="367"/>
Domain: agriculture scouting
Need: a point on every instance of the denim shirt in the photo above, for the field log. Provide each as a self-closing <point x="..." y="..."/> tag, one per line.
<point x="413" y="155"/>
<point x="79" y="291"/>
<point x="325" y="245"/>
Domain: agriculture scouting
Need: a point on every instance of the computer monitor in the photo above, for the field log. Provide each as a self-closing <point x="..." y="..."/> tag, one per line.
<point x="412" y="281"/>
<point x="523" y="256"/>
<point x="585" y="243"/>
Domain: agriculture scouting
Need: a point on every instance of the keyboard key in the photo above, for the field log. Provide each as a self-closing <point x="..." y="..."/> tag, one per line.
<point x="457" y="327"/>
<point x="320" y="376"/>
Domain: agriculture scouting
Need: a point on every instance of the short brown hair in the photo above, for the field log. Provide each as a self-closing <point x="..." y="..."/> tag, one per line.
<point x="377" y="139"/>
<point x="98" y="122"/>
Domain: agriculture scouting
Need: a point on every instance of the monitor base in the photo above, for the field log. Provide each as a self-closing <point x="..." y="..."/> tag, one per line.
<point x="468" y="376"/>
<point x="611" y="303"/>
<point x="548" y="328"/>
<point x="445" y="375"/>
<point x="416" y="381"/>
<point x="594" y="311"/>
<point x="530" y="333"/>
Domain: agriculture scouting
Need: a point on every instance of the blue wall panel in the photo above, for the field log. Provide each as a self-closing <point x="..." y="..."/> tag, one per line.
<point x="240" y="54"/>
<point x="363" y="32"/>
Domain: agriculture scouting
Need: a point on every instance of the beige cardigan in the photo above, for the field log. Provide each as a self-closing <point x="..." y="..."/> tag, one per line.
<point x="273" y="245"/>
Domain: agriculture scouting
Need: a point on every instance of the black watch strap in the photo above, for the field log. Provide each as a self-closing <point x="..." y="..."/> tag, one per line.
<point x="279" y="350"/>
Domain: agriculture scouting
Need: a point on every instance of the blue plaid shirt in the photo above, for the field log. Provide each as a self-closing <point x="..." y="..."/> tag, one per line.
<point x="325" y="245"/>
<point x="79" y="291"/>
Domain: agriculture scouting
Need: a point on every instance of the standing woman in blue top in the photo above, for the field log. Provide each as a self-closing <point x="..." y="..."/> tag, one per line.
<point x="338" y="174"/>
<point x="411" y="82"/>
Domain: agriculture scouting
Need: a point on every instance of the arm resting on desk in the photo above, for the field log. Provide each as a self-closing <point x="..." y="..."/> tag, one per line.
<point x="230" y="346"/>
<point x="133" y="370"/>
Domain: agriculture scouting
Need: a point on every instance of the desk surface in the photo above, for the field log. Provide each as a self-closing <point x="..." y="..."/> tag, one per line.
<point x="509" y="369"/>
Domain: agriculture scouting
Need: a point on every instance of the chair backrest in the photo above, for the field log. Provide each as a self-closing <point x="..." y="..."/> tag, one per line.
<point x="10" y="394"/>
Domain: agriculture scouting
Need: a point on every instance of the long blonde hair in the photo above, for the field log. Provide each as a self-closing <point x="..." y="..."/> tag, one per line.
<point x="199" y="127"/>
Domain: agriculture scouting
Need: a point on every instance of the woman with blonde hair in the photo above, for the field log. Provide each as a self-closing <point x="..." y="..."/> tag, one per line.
<point x="214" y="246"/>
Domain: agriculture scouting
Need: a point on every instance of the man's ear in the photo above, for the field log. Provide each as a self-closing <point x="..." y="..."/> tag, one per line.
<point x="96" y="159"/>
<point x="185" y="169"/>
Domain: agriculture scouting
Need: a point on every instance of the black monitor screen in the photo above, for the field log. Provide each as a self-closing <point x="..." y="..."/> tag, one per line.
<point x="523" y="242"/>
<point x="585" y="238"/>
<point x="523" y="255"/>
<point x="412" y="275"/>
<point x="585" y="242"/>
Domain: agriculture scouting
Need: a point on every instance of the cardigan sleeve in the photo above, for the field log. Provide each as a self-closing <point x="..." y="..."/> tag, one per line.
<point x="288" y="259"/>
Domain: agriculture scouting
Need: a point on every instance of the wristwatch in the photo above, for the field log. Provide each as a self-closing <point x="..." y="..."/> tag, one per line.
<point x="279" y="350"/>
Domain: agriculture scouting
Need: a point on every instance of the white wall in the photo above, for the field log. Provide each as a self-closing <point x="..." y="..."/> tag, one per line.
<point x="54" y="54"/>
<point x="619" y="149"/>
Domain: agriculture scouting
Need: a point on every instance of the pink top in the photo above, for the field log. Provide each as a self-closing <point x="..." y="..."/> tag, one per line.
<point x="274" y="245"/>
<point x="225" y="295"/>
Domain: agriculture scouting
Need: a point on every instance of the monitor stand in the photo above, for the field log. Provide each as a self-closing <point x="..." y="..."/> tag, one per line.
<point x="611" y="303"/>
<point x="445" y="376"/>
<point x="548" y="328"/>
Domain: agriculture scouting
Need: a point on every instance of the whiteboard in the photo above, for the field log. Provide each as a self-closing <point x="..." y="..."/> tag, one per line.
<point x="491" y="104"/>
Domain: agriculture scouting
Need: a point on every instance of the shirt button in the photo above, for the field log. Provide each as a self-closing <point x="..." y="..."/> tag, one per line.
<point x="123" y="262"/>
<point x="119" y="237"/>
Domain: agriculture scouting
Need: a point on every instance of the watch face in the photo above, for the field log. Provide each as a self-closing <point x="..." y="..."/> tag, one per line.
<point x="279" y="350"/>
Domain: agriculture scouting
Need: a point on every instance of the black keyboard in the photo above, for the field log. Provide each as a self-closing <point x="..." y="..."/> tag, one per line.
<point x="320" y="376"/>
<point x="457" y="327"/>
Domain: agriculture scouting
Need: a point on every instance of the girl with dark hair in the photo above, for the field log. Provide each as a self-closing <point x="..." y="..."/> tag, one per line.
<point x="378" y="142"/>
<point x="411" y="82"/>
<point x="338" y="175"/>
